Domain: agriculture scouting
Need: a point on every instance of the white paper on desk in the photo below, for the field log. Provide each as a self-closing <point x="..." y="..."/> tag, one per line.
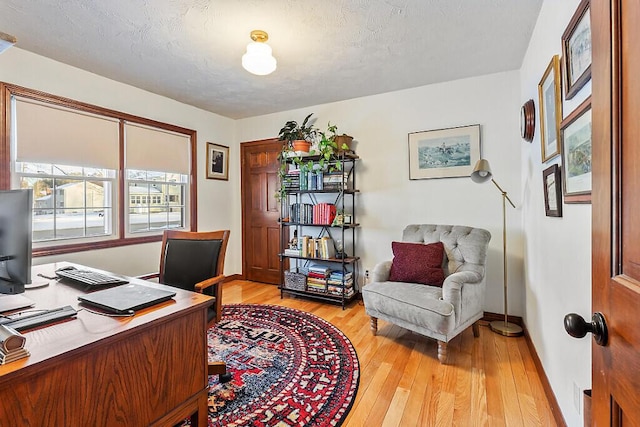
<point x="14" y="302"/>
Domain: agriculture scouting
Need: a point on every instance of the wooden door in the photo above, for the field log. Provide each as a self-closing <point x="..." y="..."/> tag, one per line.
<point x="616" y="210"/>
<point x="260" y="211"/>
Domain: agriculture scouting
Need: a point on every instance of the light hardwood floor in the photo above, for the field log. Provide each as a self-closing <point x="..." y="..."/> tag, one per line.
<point x="487" y="381"/>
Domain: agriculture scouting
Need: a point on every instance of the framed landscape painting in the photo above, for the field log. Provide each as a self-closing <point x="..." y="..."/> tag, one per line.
<point x="444" y="153"/>
<point x="576" y="50"/>
<point x="550" y="110"/>
<point x="576" y="154"/>
<point x="217" y="161"/>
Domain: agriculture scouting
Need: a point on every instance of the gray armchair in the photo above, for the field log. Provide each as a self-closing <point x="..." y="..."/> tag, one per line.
<point x="437" y="312"/>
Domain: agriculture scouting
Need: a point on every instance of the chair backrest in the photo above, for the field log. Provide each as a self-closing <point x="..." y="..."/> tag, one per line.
<point x="189" y="257"/>
<point x="465" y="247"/>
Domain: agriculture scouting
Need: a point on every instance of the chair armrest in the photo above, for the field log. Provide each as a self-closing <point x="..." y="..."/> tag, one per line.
<point x="148" y="276"/>
<point x="380" y="272"/>
<point x="454" y="283"/>
<point x="201" y="286"/>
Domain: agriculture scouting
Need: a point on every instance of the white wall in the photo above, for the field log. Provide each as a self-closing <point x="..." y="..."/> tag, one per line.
<point x="218" y="201"/>
<point x="557" y="250"/>
<point x="389" y="200"/>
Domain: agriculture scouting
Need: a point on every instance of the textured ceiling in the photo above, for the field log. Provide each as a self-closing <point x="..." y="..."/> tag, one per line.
<point x="331" y="50"/>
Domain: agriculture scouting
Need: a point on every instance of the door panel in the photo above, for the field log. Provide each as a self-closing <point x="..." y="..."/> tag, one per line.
<point x="616" y="203"/>
<point x="260" y="211"/>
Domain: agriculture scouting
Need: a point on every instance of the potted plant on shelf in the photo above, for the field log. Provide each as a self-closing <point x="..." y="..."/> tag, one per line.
<point x="298" y="137"/>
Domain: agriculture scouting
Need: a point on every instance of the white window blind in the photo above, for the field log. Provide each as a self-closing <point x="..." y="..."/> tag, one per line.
<point x="154" y="149"/>
<point x="51" y="134"/>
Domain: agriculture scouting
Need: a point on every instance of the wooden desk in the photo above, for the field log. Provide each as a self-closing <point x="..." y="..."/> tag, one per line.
<point x="149" y="369"/>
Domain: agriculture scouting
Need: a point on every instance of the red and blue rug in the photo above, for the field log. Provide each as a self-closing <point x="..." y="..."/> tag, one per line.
<point x="289" y="368"/>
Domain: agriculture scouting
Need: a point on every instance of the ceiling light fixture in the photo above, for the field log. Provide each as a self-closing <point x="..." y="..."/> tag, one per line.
<point x="6" y="41"/>
<point x="258" y="59"/>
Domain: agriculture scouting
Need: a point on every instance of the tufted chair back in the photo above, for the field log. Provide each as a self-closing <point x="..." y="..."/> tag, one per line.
<point x="465" y="247"/>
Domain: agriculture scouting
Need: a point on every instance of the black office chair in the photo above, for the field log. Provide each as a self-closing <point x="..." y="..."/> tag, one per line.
<point x="194" y="261"/>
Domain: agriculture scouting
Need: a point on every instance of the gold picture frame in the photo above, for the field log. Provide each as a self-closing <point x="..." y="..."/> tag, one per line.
<point x="550" y="101"/>
<point x="217" y="161"/>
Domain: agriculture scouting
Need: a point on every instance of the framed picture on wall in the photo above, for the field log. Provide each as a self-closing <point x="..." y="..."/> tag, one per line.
<point x="576" y="154"/>
<point x="444" y="153"/>
<point x="552" y="187"/>
<point x="550" y="103"/>
<point x="217" y="161"/>
<point x="576" y="50"/>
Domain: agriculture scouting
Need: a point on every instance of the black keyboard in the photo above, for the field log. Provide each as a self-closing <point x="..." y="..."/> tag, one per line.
<point x="31" y="320"/>
<point x="90" y="278"/>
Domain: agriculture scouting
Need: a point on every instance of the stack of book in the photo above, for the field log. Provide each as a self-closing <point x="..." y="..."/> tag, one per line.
<point x="291" y="180"/>
<point x="334" y="181"/>
<point x="11" y="345"/>
<point x="340" y="283"/>
<point x="317" y="278"/>
<point x="324" y="213"/>
<point x="301" y="213"/>
<point x="322" y="247"/>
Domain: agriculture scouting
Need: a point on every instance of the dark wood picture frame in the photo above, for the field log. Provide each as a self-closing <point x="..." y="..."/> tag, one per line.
<point x="217" y="161"/>
<point x="576" y="50"/>
<point x="550" y="105"/>
<point x="575" y="135"/>
<point x="552" y="188"/>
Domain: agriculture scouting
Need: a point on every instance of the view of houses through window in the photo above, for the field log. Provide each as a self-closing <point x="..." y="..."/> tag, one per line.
<point x="156" y="200"/>
<point x="69" y="202"/>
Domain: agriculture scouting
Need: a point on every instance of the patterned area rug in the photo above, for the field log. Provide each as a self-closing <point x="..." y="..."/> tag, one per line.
<point x="289" y="368"/>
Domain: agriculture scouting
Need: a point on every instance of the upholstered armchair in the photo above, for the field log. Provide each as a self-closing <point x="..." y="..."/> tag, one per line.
<point x="438" y="301"/>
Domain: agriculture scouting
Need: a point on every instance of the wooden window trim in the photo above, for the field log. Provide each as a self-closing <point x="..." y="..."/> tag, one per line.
<point x="7" y="90"/>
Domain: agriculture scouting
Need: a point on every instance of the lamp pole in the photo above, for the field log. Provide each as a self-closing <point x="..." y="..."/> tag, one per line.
<point x="498" y="326"/>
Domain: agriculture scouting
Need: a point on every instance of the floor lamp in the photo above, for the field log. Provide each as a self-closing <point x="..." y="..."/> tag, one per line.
<point x="482" y="173"/>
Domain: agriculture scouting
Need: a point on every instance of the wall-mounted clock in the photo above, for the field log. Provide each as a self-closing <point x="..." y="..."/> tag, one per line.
<point x="527" y="120"/>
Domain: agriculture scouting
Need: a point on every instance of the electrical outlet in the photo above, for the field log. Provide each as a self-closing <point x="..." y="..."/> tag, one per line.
<point x="576" y="397"/>
<point x="366" y="274"/>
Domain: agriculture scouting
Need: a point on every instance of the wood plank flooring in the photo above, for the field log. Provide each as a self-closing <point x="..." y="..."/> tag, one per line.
<point x="488" y="381"/>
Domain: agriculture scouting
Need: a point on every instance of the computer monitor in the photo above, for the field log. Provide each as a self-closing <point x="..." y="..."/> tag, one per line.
<point x="15" y="240"/>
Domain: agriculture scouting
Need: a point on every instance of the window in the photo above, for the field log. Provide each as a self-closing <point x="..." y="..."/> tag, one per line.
<point x="85" y="195"/>
<point x="68" y="202"/>
<point x="148" y="189"/>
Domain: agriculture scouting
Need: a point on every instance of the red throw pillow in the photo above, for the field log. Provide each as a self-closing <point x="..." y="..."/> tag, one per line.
<point x="417" y="263"/>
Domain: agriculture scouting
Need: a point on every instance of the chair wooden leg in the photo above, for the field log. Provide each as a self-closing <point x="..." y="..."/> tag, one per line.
<point x="442" y="351"/>
<point x="476" y="329"/>
<point x="373" y="325"/>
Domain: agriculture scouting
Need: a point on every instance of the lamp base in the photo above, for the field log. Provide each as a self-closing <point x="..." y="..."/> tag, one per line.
<point x="507" y="329"/>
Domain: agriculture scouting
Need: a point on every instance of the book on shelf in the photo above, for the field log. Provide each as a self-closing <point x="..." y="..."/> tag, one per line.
<point x="319" y="269"/>
<point x="324" y="213"/>
<point x="301" y="213"/>
<point x="292" y="252"/>
<point x="347" y="292"/>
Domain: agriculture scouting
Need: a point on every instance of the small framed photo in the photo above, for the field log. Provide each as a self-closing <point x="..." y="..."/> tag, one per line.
<point x="444" y="153"/>
<point x="217" y="161"/>
<point x="576" y="154"/>
<point x="550" y="110"/>
<point x="576" y="50"/>
<point x="552" y="187"/>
